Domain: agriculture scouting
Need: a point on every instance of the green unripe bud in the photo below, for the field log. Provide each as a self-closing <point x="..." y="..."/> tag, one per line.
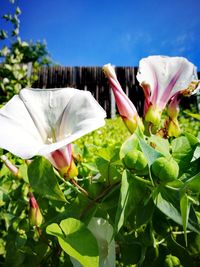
<point x="165" y="169"/>
<point x="153" y="115"/>
<point x="174" y="128"/>
<point x="135" y="160"/>
<point x="172" y="261"/>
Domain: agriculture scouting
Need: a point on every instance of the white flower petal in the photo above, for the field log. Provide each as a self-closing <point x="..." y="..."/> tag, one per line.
<point x="166" y="76"/>
<point x="46" y="108"/>
<point x="81" y="116"/>
<point x="18" y="133"/>
<point x="103" y="232"/>
<point x="38" y="121"/>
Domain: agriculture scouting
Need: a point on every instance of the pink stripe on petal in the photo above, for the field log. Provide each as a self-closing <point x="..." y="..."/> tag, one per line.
<point x="173" y="107"/>
<point x="33" y="202"/>
<point x="69" y="153"/>
<point x="154" y="93"/>
<point x="62" y="157"/>
<point x="147" y="94"/>
<point x="125" y="106"/>
<point x="168" y="90"/>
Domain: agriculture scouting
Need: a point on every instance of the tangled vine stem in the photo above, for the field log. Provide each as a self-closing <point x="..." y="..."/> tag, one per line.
<point x="73" y="181"/>
<point x="44" y="239"/>
<point x="74" y="186"/>
<point x="98" y="198"/>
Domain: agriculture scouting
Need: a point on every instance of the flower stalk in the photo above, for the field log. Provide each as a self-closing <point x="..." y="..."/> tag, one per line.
<point x="13" y="169"/>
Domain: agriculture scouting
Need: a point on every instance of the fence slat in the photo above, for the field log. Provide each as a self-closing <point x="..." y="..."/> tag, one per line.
<point x="94" y="80"/>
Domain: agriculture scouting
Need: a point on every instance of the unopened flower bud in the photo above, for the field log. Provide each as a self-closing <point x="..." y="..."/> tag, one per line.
<point x="35" y="216"/>
<point x="125" y="107"/>
<point x="174" y="128"/>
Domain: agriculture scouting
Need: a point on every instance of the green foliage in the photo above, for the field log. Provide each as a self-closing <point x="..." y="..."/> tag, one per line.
<point x="20" y="60"/>
<point x="43" y="180"/>
<point x="135" y="201"/>
<point x="154" y="223"/>
<point x="76" y="240"/>
<point x="190" y="123"/>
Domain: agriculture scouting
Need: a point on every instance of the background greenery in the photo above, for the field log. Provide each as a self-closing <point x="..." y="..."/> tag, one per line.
<point x="155" y="223"/>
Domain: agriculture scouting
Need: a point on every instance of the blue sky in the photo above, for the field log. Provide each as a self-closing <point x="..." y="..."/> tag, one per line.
<point x="93" y="33"/>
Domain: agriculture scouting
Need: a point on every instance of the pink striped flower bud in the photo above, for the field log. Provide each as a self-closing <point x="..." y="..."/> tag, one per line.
<point x="125" y="107"/>
<point x="35" y="216"/>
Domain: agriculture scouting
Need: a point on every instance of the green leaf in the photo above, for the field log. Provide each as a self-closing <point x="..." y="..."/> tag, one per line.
<point x="103" y="233"/>
<point x="196" y="116"/>
<point x="182" y="151"/>
<point x="90" y="166"/>
<point x="124" y="196"/>
<point x="196" y="153"/>
<point x="167" y="201"/>
<point x="43" y="179"/>
<point x="103" y="167"/>
<point x="194" y="183"/>
<point x="18" y="11"/>
<point x="132" y="194"/>
<point x="150" y="153"/>
<point x="166" y="207"/>
<point x="130" y="144"/>
<point x="23" y="169"/>
<point x="107" y="165"/>
<point x="185" y="210"/>
<point x="192" y="139"/>
<point x="161" y="144"/>
<point x="76" y="240"/>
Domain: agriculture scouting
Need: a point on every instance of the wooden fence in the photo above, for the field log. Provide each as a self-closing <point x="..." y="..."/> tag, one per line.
<point x="93" y="80"/>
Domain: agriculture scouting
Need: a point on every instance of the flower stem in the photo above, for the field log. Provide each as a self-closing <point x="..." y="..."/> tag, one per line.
<point x="98" y="198"/>
<point x="143" y="180"/>
<point x="73" y="181"/>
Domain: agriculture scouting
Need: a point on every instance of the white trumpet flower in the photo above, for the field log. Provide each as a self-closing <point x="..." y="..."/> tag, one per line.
<point x="46" y="121"/>
<point x="162" y="78"/>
